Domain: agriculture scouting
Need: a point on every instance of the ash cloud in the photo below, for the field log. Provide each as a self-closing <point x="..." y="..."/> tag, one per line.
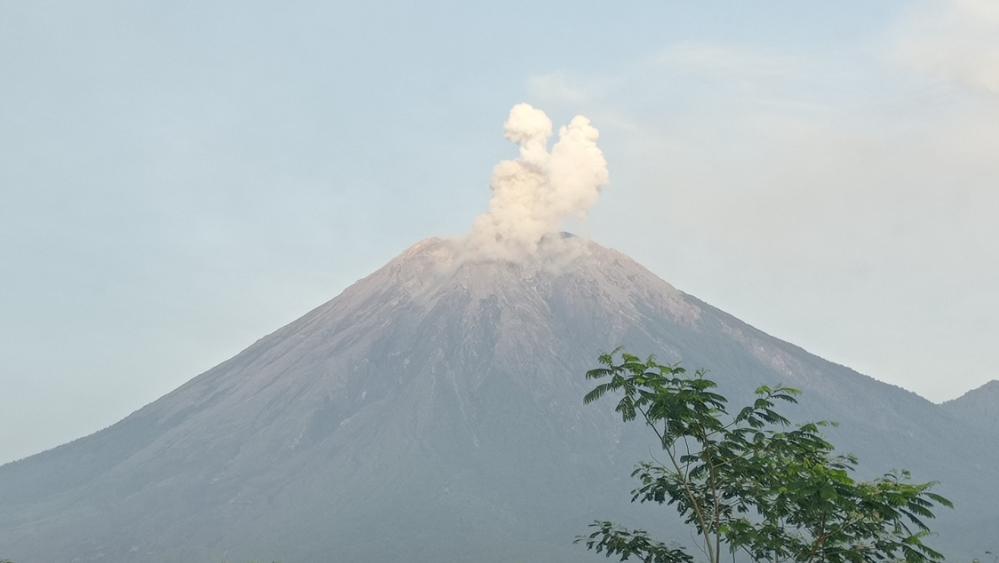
<point x="534" y="194"/>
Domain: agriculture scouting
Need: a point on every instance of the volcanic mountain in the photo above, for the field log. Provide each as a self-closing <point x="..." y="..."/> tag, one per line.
<point x="433" y="412"/>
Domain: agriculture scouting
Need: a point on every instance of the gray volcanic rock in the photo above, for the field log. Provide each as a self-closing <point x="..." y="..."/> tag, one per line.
<point x="433" y="412"/>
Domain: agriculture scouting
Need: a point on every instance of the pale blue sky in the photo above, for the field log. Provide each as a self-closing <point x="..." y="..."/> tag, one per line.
<point x="180" y="178"/>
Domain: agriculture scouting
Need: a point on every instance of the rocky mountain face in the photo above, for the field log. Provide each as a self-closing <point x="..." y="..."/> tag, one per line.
<point x="433" y="412"/>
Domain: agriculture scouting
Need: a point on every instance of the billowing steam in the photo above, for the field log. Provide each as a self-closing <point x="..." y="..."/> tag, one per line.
<point x="534" y="194"/>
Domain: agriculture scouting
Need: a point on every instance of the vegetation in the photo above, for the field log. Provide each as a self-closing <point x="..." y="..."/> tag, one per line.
<point x="749" y="483"/>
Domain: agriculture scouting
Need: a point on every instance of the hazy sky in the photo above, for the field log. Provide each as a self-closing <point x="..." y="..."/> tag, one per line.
<point x="181" y="178"/>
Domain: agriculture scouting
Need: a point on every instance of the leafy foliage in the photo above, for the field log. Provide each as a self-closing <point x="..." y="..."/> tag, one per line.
<point x="617" y="541"/>
<point x="750" y="482"/>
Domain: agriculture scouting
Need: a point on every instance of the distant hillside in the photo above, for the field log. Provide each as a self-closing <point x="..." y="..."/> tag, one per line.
<point x="978" y="407"/>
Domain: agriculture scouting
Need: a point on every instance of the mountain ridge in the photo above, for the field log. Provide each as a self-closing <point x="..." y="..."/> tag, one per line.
<point x="977" y="407"/>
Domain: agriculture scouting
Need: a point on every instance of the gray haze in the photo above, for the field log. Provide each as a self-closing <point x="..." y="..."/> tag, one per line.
<point x="433" y="412"/>
<point x="178" y="178"/>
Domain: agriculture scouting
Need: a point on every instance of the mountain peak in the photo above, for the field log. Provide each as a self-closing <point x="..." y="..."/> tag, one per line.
<point x="572" y="267"/>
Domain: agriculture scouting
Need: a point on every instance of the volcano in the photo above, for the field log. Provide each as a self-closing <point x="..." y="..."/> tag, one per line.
<point x="433" y="412"/>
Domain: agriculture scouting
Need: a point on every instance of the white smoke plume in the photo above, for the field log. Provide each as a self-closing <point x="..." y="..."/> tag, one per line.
<point x="534" y="194"/>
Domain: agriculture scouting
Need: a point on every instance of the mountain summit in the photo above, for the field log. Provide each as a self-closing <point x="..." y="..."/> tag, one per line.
<point x="433" y="412"/>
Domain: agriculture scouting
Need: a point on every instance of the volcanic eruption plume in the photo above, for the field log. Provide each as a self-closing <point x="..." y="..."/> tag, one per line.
<point x="535" y="193"/>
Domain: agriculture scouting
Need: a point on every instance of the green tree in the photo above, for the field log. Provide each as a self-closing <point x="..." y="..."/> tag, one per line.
<point x="749" y="482"/>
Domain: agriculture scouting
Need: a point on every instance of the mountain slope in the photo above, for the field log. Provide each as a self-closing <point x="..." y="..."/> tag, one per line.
<point x="978" y="407"/>
<point x="432" y="412"/>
